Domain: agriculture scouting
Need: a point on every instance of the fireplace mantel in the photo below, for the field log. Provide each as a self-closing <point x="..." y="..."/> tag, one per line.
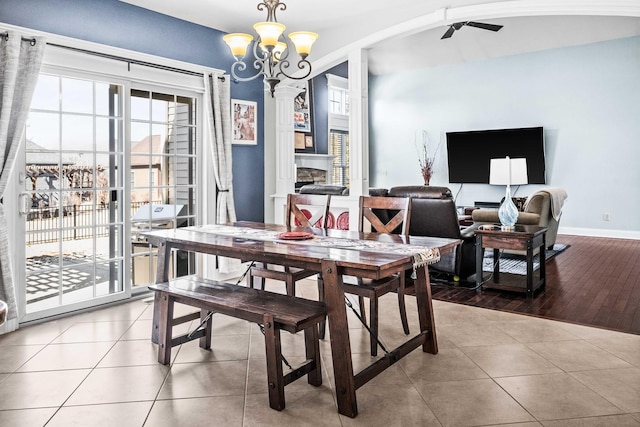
<point x="315" y="161"/>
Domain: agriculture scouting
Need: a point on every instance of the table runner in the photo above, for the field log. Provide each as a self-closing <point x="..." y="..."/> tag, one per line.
<point x="422" y="255"/>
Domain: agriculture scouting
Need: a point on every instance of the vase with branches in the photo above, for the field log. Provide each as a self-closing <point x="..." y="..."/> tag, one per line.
<point x="425" y="160"/>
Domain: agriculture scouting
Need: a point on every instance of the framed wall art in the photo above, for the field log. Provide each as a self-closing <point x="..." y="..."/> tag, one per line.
<point x="302" y="110"/>
<point x="244" y="117"/>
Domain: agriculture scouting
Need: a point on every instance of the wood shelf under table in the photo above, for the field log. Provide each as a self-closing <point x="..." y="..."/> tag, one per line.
<point x="522" y="238"/>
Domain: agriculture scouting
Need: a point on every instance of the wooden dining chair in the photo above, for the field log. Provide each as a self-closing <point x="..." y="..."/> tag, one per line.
<point x="381" y="215"/>
<point x="303" y="210"/>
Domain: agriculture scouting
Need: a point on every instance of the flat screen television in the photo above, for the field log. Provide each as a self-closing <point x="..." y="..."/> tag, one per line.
<point x="470" y="153"/>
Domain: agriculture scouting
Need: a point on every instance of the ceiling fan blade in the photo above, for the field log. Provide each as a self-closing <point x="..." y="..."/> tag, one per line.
<point x="490" y="27"/>
<point x="449" y="33"/>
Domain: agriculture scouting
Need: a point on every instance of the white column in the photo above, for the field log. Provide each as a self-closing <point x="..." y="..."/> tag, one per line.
<point x="358" y="127"/>
<point x="285" y="151"/>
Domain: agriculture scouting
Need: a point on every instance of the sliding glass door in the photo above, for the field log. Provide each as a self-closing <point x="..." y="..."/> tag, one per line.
<point x="72" y="192"/>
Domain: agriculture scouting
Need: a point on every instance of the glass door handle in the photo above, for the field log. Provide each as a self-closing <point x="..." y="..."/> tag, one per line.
<point x="24" y="203"/>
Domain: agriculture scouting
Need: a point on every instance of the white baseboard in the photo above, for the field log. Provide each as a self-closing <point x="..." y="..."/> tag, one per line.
<point x="600" y="232"/>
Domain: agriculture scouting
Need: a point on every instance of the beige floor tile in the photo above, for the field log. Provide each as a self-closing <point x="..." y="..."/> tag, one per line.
<point x="94" y="331"/>
<point x="39" y="389"/>
<point x="141" y="329"/>
<point x="115" y="414"/>
<point x="117" y="385"/>
<point x="132" y="353"/>
<point x="223" y="411"/>
<point x="67" y="356"/>
<point x="398" y="405"/>
<point x="292" y="344"/>
<point x="455" y="314"/>
<point x="450" y="364"/>
<point x="393" y="375"/>
<point x="127" y="311"/>
<point x="577" y="355"/>
<point x="606" y="421"/>
<point x="470" y="335"/>
<point x="535" y="330"/>
<point x="12" y="357"/>
<point x="471" y="403"/>
<point x="556" y="396"/>
<point x="315" y="407"/>
<point x="624" y="346"/>
<point x="205" y="380"/>
<point x="225" y="325"/>
<point x="620" y="386"/>
<point x="509" y="360"/>
<point x="36" y="334"/>
<point x="26" y="417"/>
<point x="529" y="424"/>
<point x="223" y="347"/>
<point x="589" y="332"/>
<point x="636" y="416"/>
<point x="257" y="377"/>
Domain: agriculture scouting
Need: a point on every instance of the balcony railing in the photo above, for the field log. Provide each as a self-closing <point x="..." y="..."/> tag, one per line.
<point x="47" y="225"/>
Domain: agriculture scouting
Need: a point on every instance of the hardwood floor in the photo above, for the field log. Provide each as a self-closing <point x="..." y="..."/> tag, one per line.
<point x="595" y="282"/>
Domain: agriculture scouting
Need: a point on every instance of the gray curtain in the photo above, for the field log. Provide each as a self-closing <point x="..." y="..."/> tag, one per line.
<point x="218" y="99"/>
<point x="20" y="62"/>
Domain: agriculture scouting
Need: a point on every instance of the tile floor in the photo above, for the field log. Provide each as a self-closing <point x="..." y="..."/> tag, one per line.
<point x="493" y="368"/>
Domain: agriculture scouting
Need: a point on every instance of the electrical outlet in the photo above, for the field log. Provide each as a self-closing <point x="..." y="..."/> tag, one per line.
<point x="606" y="216"/>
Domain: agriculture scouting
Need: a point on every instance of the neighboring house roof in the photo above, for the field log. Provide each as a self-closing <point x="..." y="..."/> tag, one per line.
<point x="40" y="156"/>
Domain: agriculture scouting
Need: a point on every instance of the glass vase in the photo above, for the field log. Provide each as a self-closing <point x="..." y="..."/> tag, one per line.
<point x="508" y="213"/>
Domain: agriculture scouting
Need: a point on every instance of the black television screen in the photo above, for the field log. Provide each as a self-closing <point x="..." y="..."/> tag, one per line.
<point x="470" y="153"/>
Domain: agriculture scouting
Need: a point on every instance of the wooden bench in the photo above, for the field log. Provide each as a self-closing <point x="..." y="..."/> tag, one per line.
<point x="273" y="311"/>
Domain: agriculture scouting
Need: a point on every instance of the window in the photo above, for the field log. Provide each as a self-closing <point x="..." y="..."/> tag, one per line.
<point x="339" y="147"/>
<point x="338" y="93"/>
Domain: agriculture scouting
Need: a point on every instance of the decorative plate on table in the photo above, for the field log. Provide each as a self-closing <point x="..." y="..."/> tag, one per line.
<point x="295" y="235"/>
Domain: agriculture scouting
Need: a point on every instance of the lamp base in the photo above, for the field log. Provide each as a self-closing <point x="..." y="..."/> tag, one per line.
<point x="508" y="213"/>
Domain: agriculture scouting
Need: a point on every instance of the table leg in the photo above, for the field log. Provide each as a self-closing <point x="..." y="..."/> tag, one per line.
<point x="425" y="310"/>
<point x="496" y="265"/>
<point x="162" y="275"/>
<point x="478" y="263"/>
<point x="339" y="334"/>
<point x="530" y="269"/>
<point x="543" y="262"/>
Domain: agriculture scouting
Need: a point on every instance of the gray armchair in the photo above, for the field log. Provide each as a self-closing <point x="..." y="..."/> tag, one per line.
<point x="538" y="210"/>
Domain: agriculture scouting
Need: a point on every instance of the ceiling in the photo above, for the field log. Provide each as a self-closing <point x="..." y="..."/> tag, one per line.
<point x="341" y="22"/>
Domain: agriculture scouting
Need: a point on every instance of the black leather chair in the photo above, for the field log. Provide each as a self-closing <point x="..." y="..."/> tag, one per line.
<point x="334" y="190"/>
<point x="434" y="214"/>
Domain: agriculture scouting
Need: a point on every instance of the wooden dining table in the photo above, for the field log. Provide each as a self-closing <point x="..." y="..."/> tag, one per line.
<point x="322" y="253"/>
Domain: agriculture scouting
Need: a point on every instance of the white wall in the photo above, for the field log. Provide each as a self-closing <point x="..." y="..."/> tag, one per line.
<point x="587" y="98"/>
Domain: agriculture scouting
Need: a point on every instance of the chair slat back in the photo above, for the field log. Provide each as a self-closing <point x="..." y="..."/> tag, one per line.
<point x="371" y="209"/>
<point x="309" y="210"/>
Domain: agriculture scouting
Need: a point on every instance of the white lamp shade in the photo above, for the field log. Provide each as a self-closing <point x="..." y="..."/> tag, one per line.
<point x="508" y="171"/>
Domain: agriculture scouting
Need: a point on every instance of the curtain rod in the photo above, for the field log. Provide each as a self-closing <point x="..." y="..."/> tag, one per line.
<point x="31" y="40"/>
<point x="129" y="61"/>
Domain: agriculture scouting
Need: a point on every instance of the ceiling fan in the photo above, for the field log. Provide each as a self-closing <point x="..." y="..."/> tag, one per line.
<point x="454" y="27"/>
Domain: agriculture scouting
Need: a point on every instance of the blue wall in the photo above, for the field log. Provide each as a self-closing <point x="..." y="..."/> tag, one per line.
<point x="114" y="23"/>
<point x="585" y="97"/>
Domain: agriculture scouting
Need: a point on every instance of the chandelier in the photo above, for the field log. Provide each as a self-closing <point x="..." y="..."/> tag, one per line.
<point x="271" y="50"/>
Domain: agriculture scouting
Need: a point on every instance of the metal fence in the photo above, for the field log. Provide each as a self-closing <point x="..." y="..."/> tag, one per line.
<point x="48" y="225"/>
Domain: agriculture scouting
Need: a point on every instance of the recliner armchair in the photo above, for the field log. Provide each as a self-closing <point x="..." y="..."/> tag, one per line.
<point x="538" y="210"/>
<point x="434" y="214"/>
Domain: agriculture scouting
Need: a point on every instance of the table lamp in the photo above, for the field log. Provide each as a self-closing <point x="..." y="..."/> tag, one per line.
<point x="508" y="171"/>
